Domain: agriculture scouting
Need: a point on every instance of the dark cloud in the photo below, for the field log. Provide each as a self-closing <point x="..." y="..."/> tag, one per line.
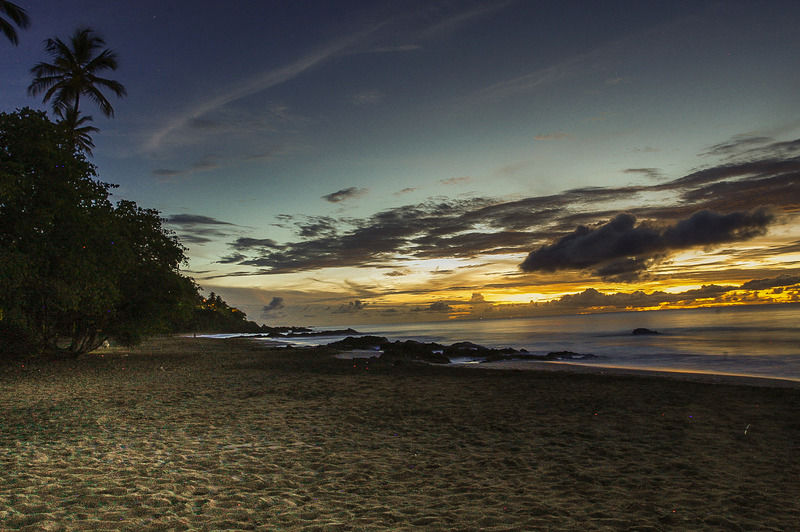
<point x="204" y="165"/>
<point x="344" y="194"/>
<point x="316" y="226"/>
<point x="248" y="244"/>
<point x="194" y="219"/>
<point x="198" y="228"/>
<point x="621" y="249"/>
<point x="274" y="305"/>
<point x="759" y="169"/>
<point x="439" y="306"/>
<point x="651" y="173"/>
<point x="199" y="166"/>
<point x="736" y="145"/>
<point x="353" y="306"/>
<point x="455" y="180"/>
<point x="166" y="172"/>
<point x="780" y="281"/>
<point x="594" y="299"/>
<point x="233" y="258"/>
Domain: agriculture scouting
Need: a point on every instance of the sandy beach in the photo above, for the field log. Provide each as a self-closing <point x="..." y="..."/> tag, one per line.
<point x="208" y="434"/>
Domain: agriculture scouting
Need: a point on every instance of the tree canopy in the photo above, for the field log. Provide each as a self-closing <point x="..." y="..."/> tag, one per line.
<point x="75" y="268"/>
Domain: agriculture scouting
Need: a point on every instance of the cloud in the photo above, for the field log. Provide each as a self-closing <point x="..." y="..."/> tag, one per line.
<point x="711" y="206"/>
<point x="194" y="219"/>
<point x="167" y="172"/>
<point x="353" y="306"/>
<point x="405" y="191"/>
<point x="345" y="194"/>
<point x="780" y="281"/>
<point x="244" y="243"/>
<point x="736" y="145"/>
<point x="198" y="228"/>
<point x="651" y="173"/>
<point x="595" y="300"/>
<point x="439" y="306"/>
<point x="243" y="88"/>
<point x="621" y="249"/>
<point x="273" y="306"/>
<point x="455" y="180"/>
<point x="203" y="165"/>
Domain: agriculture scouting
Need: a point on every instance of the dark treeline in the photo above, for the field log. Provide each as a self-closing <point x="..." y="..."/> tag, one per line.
<point x="77" y="269"/>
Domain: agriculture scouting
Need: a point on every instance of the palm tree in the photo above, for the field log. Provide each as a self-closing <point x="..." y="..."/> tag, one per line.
<point x="77" y="127"/>
<point x="73" y="73"/>
<point x="17" y="15"/>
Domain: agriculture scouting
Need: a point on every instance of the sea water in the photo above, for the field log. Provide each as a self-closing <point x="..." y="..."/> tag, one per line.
<point x="762" y="341"/>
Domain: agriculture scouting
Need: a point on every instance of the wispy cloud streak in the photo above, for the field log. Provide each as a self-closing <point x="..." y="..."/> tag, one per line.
<point x="257" y="84"/>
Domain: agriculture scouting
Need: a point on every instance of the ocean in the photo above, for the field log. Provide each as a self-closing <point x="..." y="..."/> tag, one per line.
<point x="757" y="341"/>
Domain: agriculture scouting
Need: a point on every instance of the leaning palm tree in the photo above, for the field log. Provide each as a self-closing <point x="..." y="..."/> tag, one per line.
<point x="15" y="14"/>
<point x="78" y="128"/>
<point x="73" y="72"/>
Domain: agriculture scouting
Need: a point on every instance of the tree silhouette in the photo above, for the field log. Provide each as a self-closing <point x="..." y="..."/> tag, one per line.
<point x="78" y="129"/>
<point x="74" y="72"/>
<point x="15" y="15"/>
<point x="75" y="268"/>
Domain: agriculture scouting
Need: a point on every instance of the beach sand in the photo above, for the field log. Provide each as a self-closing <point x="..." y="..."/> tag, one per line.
<point x="206" y="434"/>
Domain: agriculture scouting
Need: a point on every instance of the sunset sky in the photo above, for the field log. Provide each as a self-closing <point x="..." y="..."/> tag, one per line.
<point x="353" y="162"/>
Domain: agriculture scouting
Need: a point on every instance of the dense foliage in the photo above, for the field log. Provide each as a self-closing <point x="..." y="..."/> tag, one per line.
<point x="212" y="314"/>
<point x="76" y="269"/>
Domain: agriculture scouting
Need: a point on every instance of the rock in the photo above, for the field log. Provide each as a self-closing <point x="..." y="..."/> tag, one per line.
<point x="413" y="350"/>
<point x="567" y="355"/>
<point x="360" y="342"/>
<point x="338" y="332"/>
<point x="642" y="331"/>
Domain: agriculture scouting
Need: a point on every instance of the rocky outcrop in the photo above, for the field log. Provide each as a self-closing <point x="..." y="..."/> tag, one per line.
<point x="567" y="355"/>
<point x="360" y="342"/>
<point x="641" y="331"/>
<point x="412" y="350"/>
<point x="337" y="332"/>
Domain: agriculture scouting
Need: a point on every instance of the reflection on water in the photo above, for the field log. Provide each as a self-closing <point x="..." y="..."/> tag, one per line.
<point x="758" y="341"/>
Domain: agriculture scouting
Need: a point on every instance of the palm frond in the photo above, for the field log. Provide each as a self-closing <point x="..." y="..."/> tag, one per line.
<point x="77" y="128"/>
<point x="17" y="15"/>
<point x="72" y="72"/>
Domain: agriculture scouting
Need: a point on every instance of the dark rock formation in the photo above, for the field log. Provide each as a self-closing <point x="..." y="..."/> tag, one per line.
<point x="642" y="331"/>
<point x="567" y="355"/>
<point x="360" y="342"/>
<point x="412" y="350"/>
<point x="337" y="332"/>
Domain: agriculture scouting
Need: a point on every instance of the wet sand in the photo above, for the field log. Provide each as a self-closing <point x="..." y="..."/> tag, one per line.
<point x="205" y="434"/>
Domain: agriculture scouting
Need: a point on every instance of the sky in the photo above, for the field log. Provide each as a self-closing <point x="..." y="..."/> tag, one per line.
<point x="346" y="162"/>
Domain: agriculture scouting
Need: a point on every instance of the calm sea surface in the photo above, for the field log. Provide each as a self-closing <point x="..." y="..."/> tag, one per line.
<point x="753" y="341"/>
